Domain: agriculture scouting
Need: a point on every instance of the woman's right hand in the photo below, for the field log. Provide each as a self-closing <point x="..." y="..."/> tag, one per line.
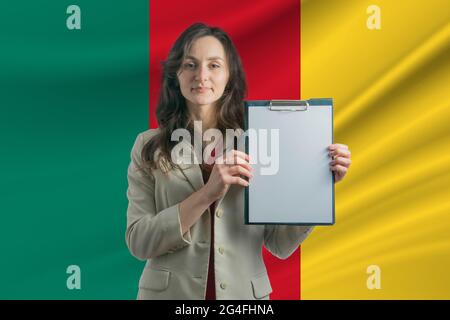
<point x="227" y="170"/>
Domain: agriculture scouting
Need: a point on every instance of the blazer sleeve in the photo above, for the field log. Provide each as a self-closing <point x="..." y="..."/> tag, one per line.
<point x="282" y="241"/>
<point x="149" y="233"/>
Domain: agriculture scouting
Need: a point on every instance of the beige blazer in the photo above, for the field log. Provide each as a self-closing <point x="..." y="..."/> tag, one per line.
<point x="177" y="264"/>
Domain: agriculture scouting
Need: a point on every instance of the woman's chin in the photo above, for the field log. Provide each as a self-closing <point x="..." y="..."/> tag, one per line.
<point x="202" y="102"/>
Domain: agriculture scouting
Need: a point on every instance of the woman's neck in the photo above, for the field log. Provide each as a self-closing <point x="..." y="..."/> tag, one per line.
<point x="205" y="114"/>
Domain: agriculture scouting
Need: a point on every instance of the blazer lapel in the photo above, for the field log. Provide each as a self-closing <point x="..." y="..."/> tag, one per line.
<point x="192" y="172"/>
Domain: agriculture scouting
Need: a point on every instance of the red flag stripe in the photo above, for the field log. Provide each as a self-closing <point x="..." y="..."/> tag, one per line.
<point x="267" y="36"/>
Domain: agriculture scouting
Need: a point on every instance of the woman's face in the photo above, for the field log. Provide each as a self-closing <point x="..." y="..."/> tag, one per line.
<point x="203" y="74"/>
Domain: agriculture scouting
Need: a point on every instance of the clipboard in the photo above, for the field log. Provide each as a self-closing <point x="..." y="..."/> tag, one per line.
<point x="301" y="192"/>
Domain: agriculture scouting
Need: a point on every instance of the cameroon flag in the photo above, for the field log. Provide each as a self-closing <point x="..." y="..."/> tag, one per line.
<point x="79" y="81"/>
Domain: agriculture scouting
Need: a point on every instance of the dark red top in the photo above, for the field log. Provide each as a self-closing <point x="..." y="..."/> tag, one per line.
<point x="210" y="283"/>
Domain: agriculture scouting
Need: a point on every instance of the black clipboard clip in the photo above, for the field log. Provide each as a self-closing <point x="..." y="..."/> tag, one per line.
<point x="288" y="105"/>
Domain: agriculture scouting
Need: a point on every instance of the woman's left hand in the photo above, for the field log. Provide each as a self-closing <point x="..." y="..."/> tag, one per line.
<point x="340" y="163"/>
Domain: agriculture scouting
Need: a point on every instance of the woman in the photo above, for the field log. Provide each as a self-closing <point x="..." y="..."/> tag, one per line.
<point x="187" y="220"/>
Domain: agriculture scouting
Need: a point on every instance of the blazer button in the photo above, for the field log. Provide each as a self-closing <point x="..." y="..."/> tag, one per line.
<point x="219" y="213"/>
<point x="223" y="286"/>
<point x="221" y="250"/>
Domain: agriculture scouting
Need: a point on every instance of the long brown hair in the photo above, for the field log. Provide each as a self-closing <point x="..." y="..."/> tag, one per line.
<point x="172" y="112"/>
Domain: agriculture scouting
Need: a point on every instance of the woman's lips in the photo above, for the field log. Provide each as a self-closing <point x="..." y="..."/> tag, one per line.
<point x="201" y="90"/>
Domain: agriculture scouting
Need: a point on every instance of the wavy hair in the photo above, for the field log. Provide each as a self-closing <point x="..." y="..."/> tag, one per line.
<point x="172" y="112"/>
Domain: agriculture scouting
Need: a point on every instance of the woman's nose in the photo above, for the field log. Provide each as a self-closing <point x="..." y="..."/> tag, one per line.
<point x="202" y="74"/>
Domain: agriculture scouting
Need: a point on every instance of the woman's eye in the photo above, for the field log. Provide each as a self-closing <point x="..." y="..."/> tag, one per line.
<point x="192" y="66"/>
<point x="189" y="65"/>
